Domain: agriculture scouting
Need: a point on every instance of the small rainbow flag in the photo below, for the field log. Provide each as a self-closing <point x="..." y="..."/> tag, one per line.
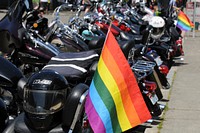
<point x="114" y="103"/>
<point x="184" y="22"/>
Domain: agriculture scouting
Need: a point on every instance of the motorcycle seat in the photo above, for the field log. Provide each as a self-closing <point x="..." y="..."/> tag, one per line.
<point x="127" y="36"/>
<point x="126" y="46"/>
<point x="96" y="42"/>
<point x="73" y="65"/>
<point x="138" y="38"/>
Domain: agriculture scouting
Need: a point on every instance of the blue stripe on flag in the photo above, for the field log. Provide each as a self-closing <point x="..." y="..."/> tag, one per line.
<point x="100" y="108"/>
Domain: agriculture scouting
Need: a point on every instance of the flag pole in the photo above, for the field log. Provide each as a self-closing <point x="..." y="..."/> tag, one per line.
<point x="194" y="18"/>
<point x="109" y="28"/>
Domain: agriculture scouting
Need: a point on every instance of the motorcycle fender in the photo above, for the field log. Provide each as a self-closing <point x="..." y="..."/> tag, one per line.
<point x="74" y="105"/>
<point x="174" y="33"/>
<point x="9" y="74"/>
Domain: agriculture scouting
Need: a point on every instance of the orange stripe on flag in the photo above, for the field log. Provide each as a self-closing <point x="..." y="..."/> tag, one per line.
<point x="118" y="76"/>
<point x="130" y="80"/>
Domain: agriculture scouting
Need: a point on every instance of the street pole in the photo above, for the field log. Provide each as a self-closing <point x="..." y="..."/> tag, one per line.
<point x="194" y="18"/>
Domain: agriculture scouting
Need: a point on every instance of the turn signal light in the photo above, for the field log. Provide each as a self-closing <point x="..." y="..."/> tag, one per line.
<point x="35" y="25"/>
<point x="85" y="124"/>
<point x="164" y="69"/>
<point x="150" y="86"/>
<point x="179" y="41"/>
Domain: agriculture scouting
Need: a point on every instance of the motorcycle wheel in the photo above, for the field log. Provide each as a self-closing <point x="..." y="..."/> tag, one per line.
<point x="156" y="110"/>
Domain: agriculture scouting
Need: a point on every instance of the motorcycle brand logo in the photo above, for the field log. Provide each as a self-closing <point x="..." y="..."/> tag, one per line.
<point x="44" y="81"/>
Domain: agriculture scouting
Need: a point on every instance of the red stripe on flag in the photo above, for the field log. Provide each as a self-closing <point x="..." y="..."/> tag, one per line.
<point x="130" y="80"/>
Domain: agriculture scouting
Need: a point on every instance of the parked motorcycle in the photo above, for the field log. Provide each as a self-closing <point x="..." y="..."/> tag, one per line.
<point x="50" y="105"/>
<point x="144" y="71"/>
<point x="12" y="80"/>
<point x="18" y="45"/>
<point x="69" y="37"/>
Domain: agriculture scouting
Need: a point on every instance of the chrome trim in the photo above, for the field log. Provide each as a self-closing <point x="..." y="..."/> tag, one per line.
<point x="78" y="110"/>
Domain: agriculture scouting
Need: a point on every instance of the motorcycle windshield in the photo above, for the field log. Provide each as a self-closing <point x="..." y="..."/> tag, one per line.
<point x="28" y="4"/>
<point x="17" y="5"/>
<point x="44" y="102"/>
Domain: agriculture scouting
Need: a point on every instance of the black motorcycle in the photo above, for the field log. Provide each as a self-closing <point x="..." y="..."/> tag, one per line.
<point x="12" y="80"/>
<point x="48" y="103"/>
<point x="18" y="45"/>
<point x="144" y="71"/>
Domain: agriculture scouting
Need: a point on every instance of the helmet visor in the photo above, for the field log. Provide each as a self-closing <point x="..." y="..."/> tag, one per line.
<point x="157" y="31"/>
<point x="44" y="102"/>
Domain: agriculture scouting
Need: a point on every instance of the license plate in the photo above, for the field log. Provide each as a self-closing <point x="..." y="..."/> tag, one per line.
<point x="153" y="98"/>
<point x="158" y="61"/>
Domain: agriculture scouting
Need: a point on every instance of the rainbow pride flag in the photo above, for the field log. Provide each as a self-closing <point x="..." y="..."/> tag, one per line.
<point x="114" y="103"/>
<point x="184" y="22"/>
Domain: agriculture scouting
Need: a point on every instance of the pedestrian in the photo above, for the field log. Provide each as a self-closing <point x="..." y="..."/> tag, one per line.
<point x="181" y="4"/>
<point x="49" y="5"/>
<point x="44" y="6"/>
<point x="87" y="5"/>
<point x="36" y="4"/>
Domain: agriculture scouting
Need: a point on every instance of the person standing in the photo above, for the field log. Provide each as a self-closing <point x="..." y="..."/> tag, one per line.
<point x="181" y="4"/>
<point x="44" y="6"/>
<point x="87" y="5"/>
<point x="36" y="4"/>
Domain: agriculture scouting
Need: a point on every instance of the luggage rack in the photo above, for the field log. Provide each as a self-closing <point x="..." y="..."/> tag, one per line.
<point x="141" y="68"/>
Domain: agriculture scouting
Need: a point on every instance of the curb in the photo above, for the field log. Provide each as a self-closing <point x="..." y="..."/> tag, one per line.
<point x="156" y="123"/>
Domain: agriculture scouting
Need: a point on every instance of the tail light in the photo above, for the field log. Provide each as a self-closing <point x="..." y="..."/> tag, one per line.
<point x="179" y="41"/>
<point x="85" y="124"/>
<point x="150" y="86"/>
<point x="164" y="69"/>
<point x="180" y="46"/>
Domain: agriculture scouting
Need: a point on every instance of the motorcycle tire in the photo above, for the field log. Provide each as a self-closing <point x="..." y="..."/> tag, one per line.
<point x="156" y="110"/>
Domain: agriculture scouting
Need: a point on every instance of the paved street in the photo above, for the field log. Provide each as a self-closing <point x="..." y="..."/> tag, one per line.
<point x="183" y="113"/>
<point x="183" y="98"/>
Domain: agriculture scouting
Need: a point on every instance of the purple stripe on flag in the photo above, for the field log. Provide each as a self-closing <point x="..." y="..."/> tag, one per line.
<point x="100" y="109"/>
<point x="99" y="126"/>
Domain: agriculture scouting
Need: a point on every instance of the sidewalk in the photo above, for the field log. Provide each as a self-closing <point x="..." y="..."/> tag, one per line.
<point x="183" y="103"/>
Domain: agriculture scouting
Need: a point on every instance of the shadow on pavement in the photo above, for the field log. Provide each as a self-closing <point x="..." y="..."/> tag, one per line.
<point x="142" y="128"/>
<point x="164" y="100"/>
<point x="180" y="64"/>
<point x="138" y="129"/>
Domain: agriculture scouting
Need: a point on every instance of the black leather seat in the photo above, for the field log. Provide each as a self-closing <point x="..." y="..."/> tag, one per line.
<point x="74" y="66"/>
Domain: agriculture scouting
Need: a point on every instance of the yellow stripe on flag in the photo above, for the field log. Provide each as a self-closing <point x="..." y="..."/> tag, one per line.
<point x="114" y="91"/>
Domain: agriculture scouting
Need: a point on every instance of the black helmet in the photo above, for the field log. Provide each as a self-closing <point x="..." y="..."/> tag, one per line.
<point x="44" y="97"/>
